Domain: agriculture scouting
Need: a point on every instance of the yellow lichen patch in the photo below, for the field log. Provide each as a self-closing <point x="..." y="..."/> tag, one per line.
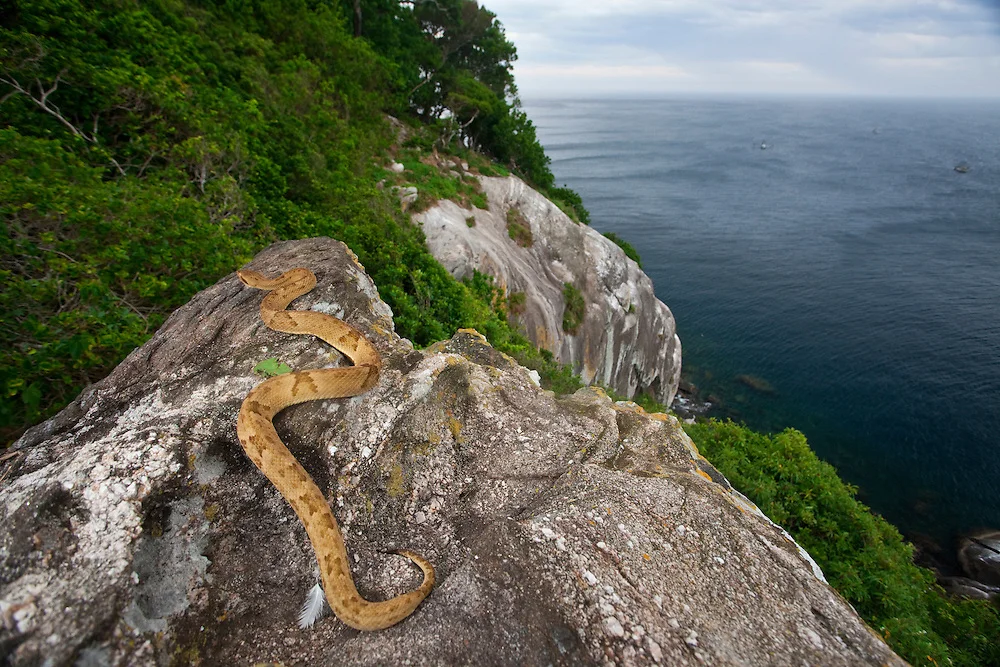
<point x="704" y="474"/>
<point x="658" y="416"/>
<point x="597" y="390"/>
<point x="473" y="332"/>
<point x="211" y="511"/>
<point x="511" y="360"/>
<point x="397" y="485"/>
<point x="436" y="348"/>
<point x="646" y="557"/>
<point x="455" y="427"/>
<point x="629" y="406"/>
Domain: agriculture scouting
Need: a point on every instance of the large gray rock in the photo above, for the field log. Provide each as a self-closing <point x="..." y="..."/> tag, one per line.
<point x="628" y="340"/>
<point x="134" y="531"/>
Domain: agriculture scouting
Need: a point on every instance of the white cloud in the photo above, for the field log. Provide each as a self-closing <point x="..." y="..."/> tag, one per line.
<point x="846" y="46"/>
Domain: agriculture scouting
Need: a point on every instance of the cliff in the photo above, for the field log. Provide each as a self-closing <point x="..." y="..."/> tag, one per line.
<point x="627" y="339"/>
<point x="564" y="530"/>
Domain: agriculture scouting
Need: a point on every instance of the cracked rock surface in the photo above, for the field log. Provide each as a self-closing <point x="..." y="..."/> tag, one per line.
<point x="565" y="530"/>
<point x="627" y="339"/>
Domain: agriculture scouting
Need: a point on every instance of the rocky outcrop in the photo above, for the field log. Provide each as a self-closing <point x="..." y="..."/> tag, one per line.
<point x="979" y="555"/>
<point x="627" y="339"/>
<point x="564" y="530"/>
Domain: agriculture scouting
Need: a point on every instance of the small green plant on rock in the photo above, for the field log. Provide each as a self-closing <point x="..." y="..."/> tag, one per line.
<point x="518" y="228"/>
<point x="470" y="221"/>
<point x="515" y="303"/>
<point x="575" y="309"/>
<point x="630" y="252"/>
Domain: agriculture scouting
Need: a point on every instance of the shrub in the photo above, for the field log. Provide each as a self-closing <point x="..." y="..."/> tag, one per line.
<point x="574" y="310"/>
<point x="516" y="302"/>
<point x="518" y="228"/>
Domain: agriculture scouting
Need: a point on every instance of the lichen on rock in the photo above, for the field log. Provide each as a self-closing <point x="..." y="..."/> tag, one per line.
<point x="564" y="529"/>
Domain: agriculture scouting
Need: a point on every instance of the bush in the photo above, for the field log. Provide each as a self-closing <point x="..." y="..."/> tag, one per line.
<point x="518" y="228"/>
<point x="574" y="310"/>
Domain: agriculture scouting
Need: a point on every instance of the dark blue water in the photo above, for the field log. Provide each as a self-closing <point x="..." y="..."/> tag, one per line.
<point x="848" y="265"/>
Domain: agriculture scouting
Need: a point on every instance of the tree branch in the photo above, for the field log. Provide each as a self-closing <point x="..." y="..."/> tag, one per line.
<point x="42" y="102"/>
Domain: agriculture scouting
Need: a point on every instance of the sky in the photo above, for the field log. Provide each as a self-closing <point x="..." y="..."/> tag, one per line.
<point x="935" y="48"/>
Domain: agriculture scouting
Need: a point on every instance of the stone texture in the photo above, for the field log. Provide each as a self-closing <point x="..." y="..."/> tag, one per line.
<point x="628" y="340"/>
<point x="572" y="530"/>
<point x="979" y="555"/>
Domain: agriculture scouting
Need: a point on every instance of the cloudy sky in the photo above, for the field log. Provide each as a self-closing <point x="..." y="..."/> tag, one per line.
<point x="943" y="48"/>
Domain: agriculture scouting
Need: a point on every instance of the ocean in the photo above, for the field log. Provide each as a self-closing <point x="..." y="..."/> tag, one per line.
<point x="829" y="249"/>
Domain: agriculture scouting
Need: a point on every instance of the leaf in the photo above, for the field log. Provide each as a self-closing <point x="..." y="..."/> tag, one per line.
<point x="271" y="367"/>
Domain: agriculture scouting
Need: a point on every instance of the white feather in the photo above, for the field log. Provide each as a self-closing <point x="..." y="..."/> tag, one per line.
<point x="313" y="608"/>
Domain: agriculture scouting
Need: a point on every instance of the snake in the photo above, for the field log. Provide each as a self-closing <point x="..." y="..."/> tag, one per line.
<point x="255" y="430"/>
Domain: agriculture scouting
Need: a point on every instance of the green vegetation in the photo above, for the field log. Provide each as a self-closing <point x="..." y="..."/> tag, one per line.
<point x="570" y="203"/>
<point x="630" y="252"/>
<point x="435" y="179"/>
<point x="148" y="149"/>
<point x="575" y="309"/>
<point x="271" y="367"/>
<point x="863" y="556"/>
<point x="518" y="228"/>
<point x="516" y="302"/>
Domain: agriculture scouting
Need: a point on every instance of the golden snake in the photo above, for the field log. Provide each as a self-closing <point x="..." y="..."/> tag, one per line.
<point x="257" y="435"/>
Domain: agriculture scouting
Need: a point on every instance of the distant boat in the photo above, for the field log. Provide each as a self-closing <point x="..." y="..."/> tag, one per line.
<point x="763" y="145"/>
<point x="962" y="168"/>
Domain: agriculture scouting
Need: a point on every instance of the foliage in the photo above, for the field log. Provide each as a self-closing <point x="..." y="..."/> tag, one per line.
<point x="90" y="268"/>
<point x="518" y="228"/>
<point x="454" y="65"/>
<point x="570" y="203"/>
<point x="630" y="251"/>
<point x="574" y="310"/>
<point x="863" y="556"/>
<point x="516" y="302"/>
<point x="271" y="367"/>
<point x="436" y="181"/>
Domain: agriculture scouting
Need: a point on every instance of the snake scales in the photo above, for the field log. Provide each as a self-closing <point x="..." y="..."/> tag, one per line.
<point x="261" y="442"/>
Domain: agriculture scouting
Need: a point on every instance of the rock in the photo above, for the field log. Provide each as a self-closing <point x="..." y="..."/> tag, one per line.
<point x="628" y="339"/>
<point x="968" y="588"/>
<point x="134" y="531"/>
<point x="396" y="167"/>
<point x="407" y="195"/>
<point x="979" y="555"/>
<point x="759" y="385"/>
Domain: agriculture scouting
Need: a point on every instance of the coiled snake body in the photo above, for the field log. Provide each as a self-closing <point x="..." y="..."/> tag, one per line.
<point x="261" y="442"/>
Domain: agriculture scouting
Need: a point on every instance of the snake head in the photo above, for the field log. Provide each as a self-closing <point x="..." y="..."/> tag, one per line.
<point x="250" y="278"/>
